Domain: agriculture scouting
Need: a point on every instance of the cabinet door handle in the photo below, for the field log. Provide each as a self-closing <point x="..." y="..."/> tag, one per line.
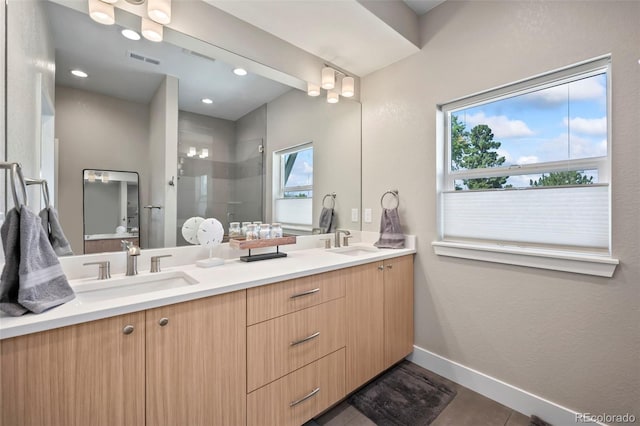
<point x="304" y="398"/>
<point x="305" y="293"/>
<point x="389" y="266"/>
<point x="305" y="339"/>
<point x="128" y="329"/>
<point x="381" y="268"/>
<point x="163" y="322"/>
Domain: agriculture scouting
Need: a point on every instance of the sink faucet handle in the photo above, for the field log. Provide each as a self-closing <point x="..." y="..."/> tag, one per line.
<point x="155" y="262"/>
<point x="327" y="242"/>
<point x="345" y="240"/>
<point x="104" y="269"/>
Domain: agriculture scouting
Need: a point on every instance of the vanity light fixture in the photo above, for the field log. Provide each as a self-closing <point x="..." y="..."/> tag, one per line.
<point x="332" y="97"/>
<point x="204" y="153"/>
<point x="328" y="78"/>
<point x="105" y="177"/>
<point x="159" y="11"/>
<point x="130" y="34"/>
<point x="79" y="73"/>
<point x="91" y="176"/>
<point x="313" y="89"/>
<point x="207" y="101"/>
<point x="102" y="12"/>
<point x="192" y="151"/>
<point x="110" y="1"/>
<point x="240" y="71"/>
<point x="348" y="87"/>
<point x="151" y="30"/>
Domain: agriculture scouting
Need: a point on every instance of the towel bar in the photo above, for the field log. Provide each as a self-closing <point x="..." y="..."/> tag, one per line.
<point x="45" y="188"/>
<point x="16" y="170"/>
<point x="396" y="197"/>
<point x="332" y="198"/>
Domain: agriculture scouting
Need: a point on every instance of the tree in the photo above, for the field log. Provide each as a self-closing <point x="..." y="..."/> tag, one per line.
<point x="479" y="151"/>
<point x="562" y="178"/>
<point x="459" y="137"/>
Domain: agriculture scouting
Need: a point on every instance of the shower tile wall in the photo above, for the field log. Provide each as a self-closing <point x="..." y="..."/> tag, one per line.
<point x="227" y="185"/>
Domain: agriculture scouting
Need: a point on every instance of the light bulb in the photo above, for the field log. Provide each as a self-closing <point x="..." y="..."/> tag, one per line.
<point x="151" y="30"/>
<point x="328" y="78"/>
<point x="102" y="12"/>
<point x="192" y="151"/>
<point x="130" y="34"/>
<point x="313" y="89"/>
<point x="348" y="85"/>
<point x="159" y="11"/>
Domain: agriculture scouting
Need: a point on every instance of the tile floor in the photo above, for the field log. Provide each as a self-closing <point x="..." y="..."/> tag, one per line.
<point x="468" y="408"/>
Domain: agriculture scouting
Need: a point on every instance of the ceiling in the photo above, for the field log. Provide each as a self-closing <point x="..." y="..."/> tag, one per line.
<point x="103" y="53"/>
<point x="346" y="33"/>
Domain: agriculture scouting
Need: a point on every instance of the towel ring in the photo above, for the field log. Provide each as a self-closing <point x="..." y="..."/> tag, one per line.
<point x="16" y="170"/>
<point x="332" y="198"/>
<point x="45" y="188"/>
<point x="396" y="197"/>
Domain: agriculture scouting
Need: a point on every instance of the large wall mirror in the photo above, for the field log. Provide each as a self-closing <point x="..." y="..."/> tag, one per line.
<point x="200" y="139"/>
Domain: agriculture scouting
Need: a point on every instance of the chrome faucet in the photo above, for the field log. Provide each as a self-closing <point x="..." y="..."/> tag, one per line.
<point x="338" y="231"/>
<point x="132" y="257"/>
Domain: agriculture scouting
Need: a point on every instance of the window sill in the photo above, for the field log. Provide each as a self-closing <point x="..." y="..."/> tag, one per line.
<point x="602" y="266"/>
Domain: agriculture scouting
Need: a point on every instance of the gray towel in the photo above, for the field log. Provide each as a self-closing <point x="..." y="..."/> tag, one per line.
<point x="327" y="220"/>
<point x="41" y="283"/>
<point x="10" y="279"/>
<point x="53" y="229"/>
<point x="391" y="235"/>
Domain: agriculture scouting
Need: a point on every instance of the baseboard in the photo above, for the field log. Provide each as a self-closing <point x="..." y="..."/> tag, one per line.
<point x="497" y="390"/>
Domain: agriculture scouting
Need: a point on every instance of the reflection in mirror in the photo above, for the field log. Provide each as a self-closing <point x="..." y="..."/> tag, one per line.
<point x="110" y="210"/>
<point x="141" y="108"/>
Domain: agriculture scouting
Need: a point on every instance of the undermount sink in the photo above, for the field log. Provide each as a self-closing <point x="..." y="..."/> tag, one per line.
<point x="99" y="290"/>
<point x="354" y="250"/>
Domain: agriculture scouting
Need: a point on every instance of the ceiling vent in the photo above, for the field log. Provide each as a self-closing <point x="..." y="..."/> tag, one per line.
<point x="142" y="58"/>
<point x="199" y="55"/>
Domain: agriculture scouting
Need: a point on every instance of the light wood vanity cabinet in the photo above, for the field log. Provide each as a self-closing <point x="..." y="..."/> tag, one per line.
<point x="87" y="374"/>
<point x="379" y="318"/>
<point x="278" y="354"/>
<point x="94" y="373"/>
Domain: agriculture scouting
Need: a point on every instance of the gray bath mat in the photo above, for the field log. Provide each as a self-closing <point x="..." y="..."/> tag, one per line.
<point x="403" y="396"/>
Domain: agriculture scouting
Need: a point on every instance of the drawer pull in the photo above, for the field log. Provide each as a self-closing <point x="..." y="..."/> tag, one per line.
<point x="306" y="339"/>
<point x="305" y="293"/>
<point x="304" y="398"/>
<point x="128" y="329"/>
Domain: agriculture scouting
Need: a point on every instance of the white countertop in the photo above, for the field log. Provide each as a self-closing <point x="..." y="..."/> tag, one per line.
<point x="232" y="276"/>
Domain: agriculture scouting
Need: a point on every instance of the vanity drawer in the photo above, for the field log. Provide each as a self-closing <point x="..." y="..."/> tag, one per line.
<point x="281" y="345"/>
<point x="275" y="300"/>
<point x="297" y="397"/>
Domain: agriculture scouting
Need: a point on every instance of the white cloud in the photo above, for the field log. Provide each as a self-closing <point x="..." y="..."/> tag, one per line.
<point x="585" y="89"/>
<point x="522" y="181"/>
<point x="308" y="169"/>
<point x="507" y="156"/>
<point x="528" y="159"/>
<point x="501" y="125"/>
<point x="587" y="126"/>
<point x="579" y="147"/>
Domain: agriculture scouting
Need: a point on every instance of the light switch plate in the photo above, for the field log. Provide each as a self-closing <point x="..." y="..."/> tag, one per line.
<point x="354" y="215"/>
<point x="367" y="215"/>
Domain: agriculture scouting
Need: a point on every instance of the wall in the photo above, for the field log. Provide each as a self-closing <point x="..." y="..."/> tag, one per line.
<point x="295" y="118"/>
<point x="102" y="207"/>
<point x="249" y="184"/>
<point x="163" y="165"/>
<point x="31" y="70"/>
<point x="572" y="339"/>
<point x="3" y="144"/>
<point x="97" y="132"/>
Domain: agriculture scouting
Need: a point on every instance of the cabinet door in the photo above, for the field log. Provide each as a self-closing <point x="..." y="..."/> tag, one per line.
<point x="196" y="362"/>
<point x="86" y="374"/>
<point x="365" y="344"/>
<point x="398" y="309"/>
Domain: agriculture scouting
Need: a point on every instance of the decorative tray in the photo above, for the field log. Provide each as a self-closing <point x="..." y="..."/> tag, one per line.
<point x="255" y="244"/>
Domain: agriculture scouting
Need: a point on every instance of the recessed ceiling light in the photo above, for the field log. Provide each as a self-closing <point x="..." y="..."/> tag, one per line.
<point x="79" y="73"/>
<point x="240" y="71"/>
<point x="207" y="101"/>
<point x="130" y="34"/>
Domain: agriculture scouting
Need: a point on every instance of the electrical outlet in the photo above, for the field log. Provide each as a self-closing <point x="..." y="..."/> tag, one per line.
<point x="354" y="215"/>
<point x="367" y="215"/>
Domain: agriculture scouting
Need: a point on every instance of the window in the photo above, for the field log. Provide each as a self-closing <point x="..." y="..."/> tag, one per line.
<point x="525" y="168"/>
<point x="293" y="186"/>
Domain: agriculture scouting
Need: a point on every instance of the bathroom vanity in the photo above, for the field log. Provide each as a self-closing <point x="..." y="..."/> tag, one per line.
<point x="269" y="344"/>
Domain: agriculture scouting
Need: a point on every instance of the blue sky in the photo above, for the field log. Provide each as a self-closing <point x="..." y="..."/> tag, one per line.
<point x="559" y="123"/>
<point x="302" y="172"/>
